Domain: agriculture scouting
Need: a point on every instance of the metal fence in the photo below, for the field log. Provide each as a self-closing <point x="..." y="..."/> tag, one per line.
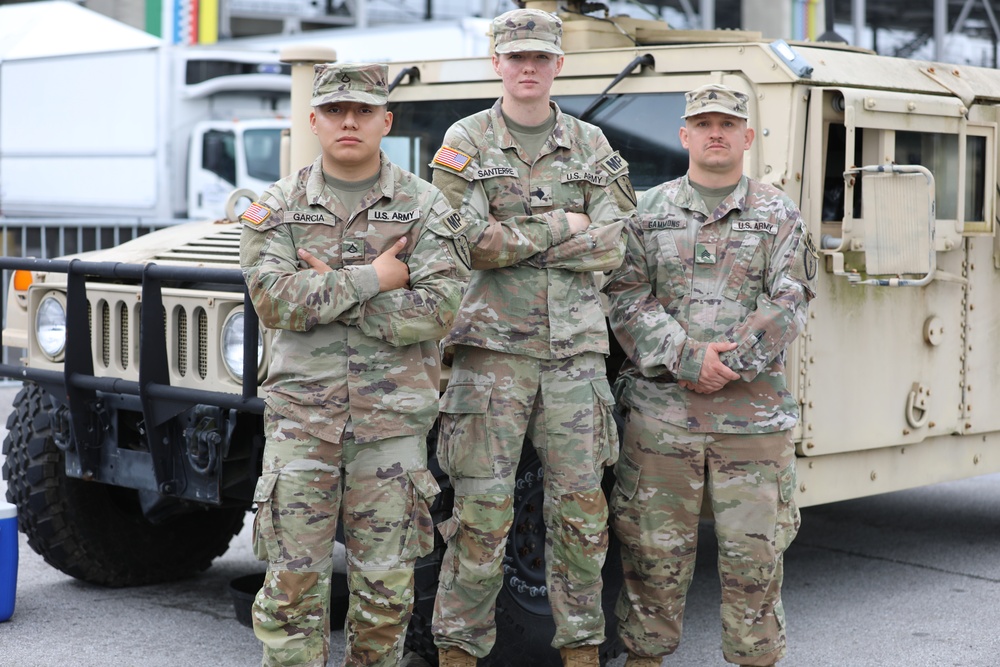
<point x="48" y="238"/>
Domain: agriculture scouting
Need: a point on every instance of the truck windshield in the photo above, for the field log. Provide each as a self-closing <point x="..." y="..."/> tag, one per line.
<point x="642" y="127"/>
<point x="263" y="157"/>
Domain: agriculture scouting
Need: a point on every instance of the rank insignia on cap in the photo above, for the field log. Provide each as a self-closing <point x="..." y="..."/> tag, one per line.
<point x="449" y="157"/>
<point x="256" y="213"/>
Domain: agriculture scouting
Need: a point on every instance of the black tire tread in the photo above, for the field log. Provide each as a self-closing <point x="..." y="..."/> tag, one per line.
<point x="95" y="532"/>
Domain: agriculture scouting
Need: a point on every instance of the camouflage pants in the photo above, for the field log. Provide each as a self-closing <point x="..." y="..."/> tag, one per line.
<point x="662" y="474"/>
<point x="564" y="405"/>
<point x="385" y="490"/>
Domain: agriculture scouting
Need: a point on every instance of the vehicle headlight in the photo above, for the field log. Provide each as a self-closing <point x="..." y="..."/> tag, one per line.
<point x="232" y="345"/>
<point x="50" y="327"/>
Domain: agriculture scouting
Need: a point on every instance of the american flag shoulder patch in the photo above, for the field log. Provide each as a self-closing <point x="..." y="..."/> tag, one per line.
<point x="449" y="157"/>
<point x="256" y="213"/>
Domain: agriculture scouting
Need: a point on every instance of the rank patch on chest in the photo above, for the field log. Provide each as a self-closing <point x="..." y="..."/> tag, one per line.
<point x="256" y="214"/>
<point x="541" y="195"/>
<point x="704" y="253"/>
<point x="393" y="216"/>
<point x="452" y="159"/>
<point x="755" y="226"/>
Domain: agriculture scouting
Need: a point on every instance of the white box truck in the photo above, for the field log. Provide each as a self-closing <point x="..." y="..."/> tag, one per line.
<point x="99" y="119"/>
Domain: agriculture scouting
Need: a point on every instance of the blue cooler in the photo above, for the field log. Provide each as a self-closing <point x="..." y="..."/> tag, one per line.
<point x="8" y="559"/>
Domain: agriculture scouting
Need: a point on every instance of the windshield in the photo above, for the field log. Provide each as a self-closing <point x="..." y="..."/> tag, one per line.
<point x="643" y="128"/>
<point x="263" y="158"/>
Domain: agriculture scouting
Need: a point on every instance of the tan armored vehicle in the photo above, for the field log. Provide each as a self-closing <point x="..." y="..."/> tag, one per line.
<point x="135" y="443"/>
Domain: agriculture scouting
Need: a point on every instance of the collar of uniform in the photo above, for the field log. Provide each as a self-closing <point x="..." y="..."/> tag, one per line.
<point x="506" y="140"/>
<point x="688" y="198"/>
<point x="316" y="182"/>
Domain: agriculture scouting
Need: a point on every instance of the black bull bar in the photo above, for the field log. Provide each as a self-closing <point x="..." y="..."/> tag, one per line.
<point x="160" y="401"/>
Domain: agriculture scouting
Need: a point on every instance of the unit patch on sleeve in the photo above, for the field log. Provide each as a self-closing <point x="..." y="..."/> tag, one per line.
<point x="452" y="159"/>
<point x="256" y="213"/>
<point x="456" y="223"/>
<point x="614" y="163"/>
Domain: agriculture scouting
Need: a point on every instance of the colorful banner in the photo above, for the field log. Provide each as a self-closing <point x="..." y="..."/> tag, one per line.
<point x="183" y="21"/>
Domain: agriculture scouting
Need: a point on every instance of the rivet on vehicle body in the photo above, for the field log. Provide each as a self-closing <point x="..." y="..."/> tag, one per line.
<point x="975" y="459"/>
<point x="874" y="475"/>
<point x="906" y="431"/>
<point x="810" y="445"/>
<point x="802" y="487"/>
<point x="931" y="424"/>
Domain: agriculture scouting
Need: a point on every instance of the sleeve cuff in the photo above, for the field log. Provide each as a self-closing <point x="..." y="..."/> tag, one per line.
<point x="558" y="226"/>
<point x="365" y="281"/>
<point x="692" y="358"/>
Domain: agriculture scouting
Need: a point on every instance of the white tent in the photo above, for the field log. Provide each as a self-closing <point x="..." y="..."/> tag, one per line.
<point x="57" y="28"/>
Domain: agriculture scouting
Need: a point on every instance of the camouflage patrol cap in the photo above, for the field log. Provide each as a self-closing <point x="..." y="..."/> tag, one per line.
<point x="716" y="98"/>
<point x="527" y="30"/>
<point x="350" y="82"/>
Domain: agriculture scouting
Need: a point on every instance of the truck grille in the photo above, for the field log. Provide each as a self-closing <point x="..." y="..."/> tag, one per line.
<point x="192" y="323"/>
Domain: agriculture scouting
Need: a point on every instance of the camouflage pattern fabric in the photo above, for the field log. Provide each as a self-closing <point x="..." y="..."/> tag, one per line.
<point x="352" y="391"/>
<point x="386" y="491"/>
<point x="715" y="98"/>
<point x="532" y="291"/>
<point x="342" y="349"/>
<point x="527" y="30"/>
<point x="743" y="273"/>
<point x="493" y="400"/>
<point x="662" y="477"/>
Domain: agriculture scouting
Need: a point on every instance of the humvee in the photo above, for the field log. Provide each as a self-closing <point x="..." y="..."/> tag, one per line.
<point x="136" y="440"/>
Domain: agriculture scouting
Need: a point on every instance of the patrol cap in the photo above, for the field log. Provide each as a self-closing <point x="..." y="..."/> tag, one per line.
<point x="717" y="98"/>
<point x="527" y="30"/>
<point x="350" y="82"/>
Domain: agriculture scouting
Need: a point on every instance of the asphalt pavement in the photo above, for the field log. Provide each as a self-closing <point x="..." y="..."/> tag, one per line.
<point x="899" y="580"/>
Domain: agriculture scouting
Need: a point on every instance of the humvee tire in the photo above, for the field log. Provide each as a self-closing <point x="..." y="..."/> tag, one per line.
<point x="92" y="531"/>
<point x="524" y="620"/>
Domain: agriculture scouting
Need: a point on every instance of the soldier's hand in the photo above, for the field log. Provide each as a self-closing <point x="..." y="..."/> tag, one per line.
<point x="392" y="273"/>
<point x="313" y="263"/>
<point x="714" y="374"/>
<point x="578" y="222"/>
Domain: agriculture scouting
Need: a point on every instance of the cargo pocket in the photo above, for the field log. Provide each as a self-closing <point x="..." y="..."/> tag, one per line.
<point x="605" y="430"/>
<point x="465" y="447"/>
<point x="626" y="479"/>
<point x="265" y="537"/>
<point x="789" y="518"/>
<point x="449" y="563"/>
<point x="419" y="540"/>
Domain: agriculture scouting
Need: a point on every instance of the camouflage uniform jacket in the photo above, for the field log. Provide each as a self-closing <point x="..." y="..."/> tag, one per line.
<point x="532" y="290"/>
<point x="743" y="274"/>
<point x="342" y="349"/>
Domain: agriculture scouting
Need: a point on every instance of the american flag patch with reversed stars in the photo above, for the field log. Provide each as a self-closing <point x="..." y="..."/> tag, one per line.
<point x="256" y="213"/>
<point x="449" y="157"/>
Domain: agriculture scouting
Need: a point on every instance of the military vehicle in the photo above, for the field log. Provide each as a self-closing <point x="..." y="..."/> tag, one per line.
<point x="136" y="440"/>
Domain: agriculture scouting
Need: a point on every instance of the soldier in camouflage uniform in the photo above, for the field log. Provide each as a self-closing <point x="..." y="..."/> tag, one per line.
<point x="546" y="198"/>
<point x="715" y="285"/>
<point x="359" y="266"/>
